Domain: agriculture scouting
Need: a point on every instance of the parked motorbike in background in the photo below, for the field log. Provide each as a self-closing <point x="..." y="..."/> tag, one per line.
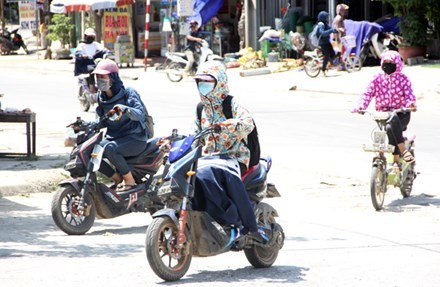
<point x="11" y="41"/>
<point x="83" y="197"/>
<point x="176" y="62"/>
<point x="177" y="232"/>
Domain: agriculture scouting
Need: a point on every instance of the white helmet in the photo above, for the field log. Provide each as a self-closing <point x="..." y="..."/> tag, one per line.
<point x="90" y="32"/>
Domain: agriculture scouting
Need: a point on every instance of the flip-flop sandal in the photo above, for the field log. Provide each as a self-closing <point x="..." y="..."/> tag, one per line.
<point x="113" y="186"/>
<point x="408" y="157"/>
<point x="124" y="187"/>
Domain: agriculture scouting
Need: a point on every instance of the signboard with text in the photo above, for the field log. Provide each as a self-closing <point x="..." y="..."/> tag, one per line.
<point x="116" y="22"/>
<point x="26" y="12"/>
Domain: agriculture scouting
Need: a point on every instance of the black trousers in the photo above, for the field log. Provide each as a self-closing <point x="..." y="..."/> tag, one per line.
<point x="395" y="128"/>
<point x="329" y="54"/>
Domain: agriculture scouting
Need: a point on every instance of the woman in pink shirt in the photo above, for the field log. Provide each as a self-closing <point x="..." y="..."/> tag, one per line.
<point x="392" y="90"/>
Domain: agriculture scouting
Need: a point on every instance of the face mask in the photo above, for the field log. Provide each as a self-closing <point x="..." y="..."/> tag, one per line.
<point x="103" y="84"/>
<point x="89" y="40"/>
<point x="205" y="87"/>
<point x="389" y="68"/>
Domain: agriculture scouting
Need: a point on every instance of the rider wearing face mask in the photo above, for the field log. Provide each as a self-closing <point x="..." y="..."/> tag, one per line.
<point x="85" y="53"/>
<point x="126" y="136"/>
<point x="220" y="190"/>
<point x="392" y="90"/>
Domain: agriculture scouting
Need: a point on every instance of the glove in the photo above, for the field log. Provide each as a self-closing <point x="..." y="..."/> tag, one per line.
<point x="121" y="108"/>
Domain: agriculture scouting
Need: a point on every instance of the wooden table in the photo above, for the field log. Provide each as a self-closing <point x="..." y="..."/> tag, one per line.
<point x="30" y="120"/>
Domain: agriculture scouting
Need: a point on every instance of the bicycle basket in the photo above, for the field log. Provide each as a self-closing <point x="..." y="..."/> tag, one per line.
<point x="349" y="42"/>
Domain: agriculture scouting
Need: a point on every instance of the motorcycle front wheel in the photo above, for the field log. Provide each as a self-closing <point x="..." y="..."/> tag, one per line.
<point x="175" y="76"/>
<point x="378" y="186"/>
<point x="312" y="67"/>
<point x="67" y="216"/>
<point x="83" y="102"/>
<point x="166" y="260"/>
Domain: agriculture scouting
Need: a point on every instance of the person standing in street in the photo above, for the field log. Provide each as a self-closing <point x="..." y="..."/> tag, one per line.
<point x="338" y="24"/>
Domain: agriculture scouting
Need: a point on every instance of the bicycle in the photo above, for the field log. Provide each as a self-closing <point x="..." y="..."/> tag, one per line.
<point x="382" y="173"/>
<point x="346" y="60"/>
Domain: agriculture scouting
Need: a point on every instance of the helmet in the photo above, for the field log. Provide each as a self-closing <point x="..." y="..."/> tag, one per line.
<point x="90" y="32"/>
<point x="106" y="67"/>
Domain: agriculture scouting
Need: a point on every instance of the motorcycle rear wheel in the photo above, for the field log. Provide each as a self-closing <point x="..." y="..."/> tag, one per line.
<point x="83" y="102"/>
<point x="312" y="67"/>
<point x="378" y="187"/>
<point x="168" y="262"/>
<point x="173" y="77"/>
<point x="406" y="187"/>
<point x="259" y="256"/>
<point x="65" y="211"/>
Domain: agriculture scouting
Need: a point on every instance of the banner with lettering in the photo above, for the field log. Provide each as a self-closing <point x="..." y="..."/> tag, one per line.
<point x="116" y="22"/>
<point x="26" y="12"/>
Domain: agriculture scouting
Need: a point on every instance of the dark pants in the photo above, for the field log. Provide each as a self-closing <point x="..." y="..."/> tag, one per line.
<point x="329" y="54"/>
<point x="116" y="151"/>
<point x="395" y="128"/>
<point x="220" y="192"/>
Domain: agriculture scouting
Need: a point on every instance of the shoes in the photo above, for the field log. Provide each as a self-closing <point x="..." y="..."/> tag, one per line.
<point x="259" y="236"/>
<point x="324" y="73"/>
<point x="408" y="157"/>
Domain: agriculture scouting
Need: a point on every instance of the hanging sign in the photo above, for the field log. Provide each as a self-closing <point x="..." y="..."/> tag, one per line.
<point x="115" y="23"/>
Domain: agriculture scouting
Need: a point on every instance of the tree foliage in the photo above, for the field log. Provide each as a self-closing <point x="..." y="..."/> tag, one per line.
<point x="60" y="29"/>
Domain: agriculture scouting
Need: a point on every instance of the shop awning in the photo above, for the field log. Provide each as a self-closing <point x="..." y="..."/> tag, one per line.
<point x="65" y="6"/>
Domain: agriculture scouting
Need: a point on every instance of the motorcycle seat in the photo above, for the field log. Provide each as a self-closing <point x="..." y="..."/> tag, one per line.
<point x="149" y="149"/>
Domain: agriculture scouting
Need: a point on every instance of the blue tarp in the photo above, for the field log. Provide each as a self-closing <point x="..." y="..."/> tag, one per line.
<point x="204" y="10"/>
<point x="362" y="30"/>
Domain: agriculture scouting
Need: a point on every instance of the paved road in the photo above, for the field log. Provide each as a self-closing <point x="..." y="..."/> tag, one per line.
<point x="333" y="236"/>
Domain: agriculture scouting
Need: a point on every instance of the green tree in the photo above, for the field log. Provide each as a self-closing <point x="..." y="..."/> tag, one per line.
<point x="60" y="29"/>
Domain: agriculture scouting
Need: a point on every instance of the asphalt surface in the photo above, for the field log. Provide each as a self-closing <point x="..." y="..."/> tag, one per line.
<point x="43" y="172"/>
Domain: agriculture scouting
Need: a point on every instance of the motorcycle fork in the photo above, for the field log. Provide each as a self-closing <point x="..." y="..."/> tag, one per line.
<point x="189" y="193"/>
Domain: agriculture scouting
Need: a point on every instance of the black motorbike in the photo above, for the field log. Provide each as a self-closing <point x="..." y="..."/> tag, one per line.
<point x="83" y="197"/>
<point x="11" y="41"/>
<point x="178" y="232"/>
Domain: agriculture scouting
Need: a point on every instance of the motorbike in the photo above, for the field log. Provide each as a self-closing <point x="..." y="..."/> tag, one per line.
<point x="11" y="41"/>
<point x="176" y="62"/>
<point x="383" y="173"/>
<point x="177" y="232"/>
<point x="86" y="97"/>
<point x="83" y="197"/>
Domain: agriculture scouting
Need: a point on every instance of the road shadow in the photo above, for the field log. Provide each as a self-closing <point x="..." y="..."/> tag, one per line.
<point x="38" y="162"/>
<point x="273" y="275"/>
<point x="28" y="231"/>
<point x="412" y="203"/>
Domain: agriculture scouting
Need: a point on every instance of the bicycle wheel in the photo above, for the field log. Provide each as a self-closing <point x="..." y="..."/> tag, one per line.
<point x="378" y="186"/>
<point x="353" y="63"/>
<point x="312" y="67"/>
<point x="409" y="176"/>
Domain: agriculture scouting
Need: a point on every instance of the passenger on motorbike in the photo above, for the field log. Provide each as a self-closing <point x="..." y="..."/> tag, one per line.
<point x="191" y="48"/>
<point x="219" y="188"/>
<point x="392" y="90"/>
<point x="85" y="54"/>
<point x="127" y="136"/>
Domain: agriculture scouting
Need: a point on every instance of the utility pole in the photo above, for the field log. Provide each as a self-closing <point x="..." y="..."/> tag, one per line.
<point x="2" y="13"/>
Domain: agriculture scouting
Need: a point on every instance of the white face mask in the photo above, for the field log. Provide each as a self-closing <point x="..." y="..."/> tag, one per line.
<point x="103" y="84"/>
<point x="205" y="87"/>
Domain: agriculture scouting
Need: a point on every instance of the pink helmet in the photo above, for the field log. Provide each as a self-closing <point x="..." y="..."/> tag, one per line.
<point x="106" y="67"/>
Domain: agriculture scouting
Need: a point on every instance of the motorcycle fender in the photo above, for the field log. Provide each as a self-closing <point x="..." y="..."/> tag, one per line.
<point x="75" y="183"/>
<point x="177" y="59"/>
<point x="171" y="213"/>
<point x="264" y="210"/>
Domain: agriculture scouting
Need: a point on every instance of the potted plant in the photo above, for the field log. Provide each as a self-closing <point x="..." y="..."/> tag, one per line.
<point x="59" y="30"/>
<point x="413" y="26"/>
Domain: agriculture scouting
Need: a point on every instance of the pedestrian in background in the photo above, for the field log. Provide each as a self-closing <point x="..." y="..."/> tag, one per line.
<point x="324" y="32"/>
